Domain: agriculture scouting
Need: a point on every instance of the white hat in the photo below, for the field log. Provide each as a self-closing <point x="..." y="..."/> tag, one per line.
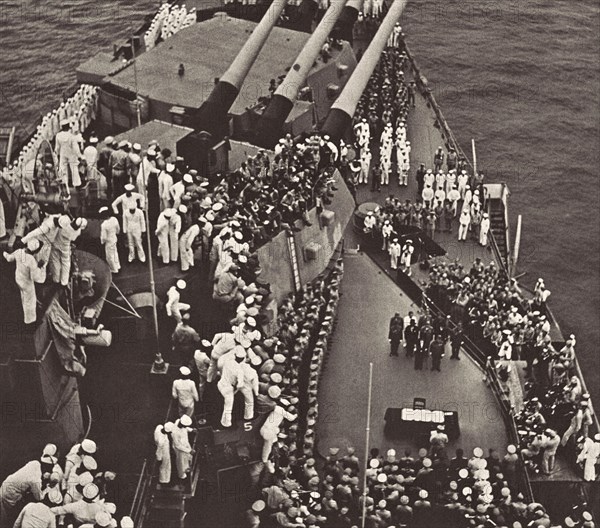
<point x="137" y="146"/>
<point x="187" y="178"/>
<point x="170" y="167"/>
<point x="103" y="519"/>
<point x="185" y="420"/>
<point x="50" y="449"/>
<point x="88" y="446"/>
<point x="382" y="477"/>
<point x="217" y="206"/>
<point x="181" y="284"/>
<point x="238" y="236"/>
<point x="255" y="361"/>
<point x="64" y="221"/>
<point x="279" y="359"/>
<point x="54" y="496"/>
<point x="127" y="522"/>
<point x="374" y="463"/>
<point x="108" y="140"/>
<point x="48" y="459"/>
<point x="93" y="140"/>
<point x="168" y="427"/>
<point x="85" y="478"/>
<point x="478" y="452"/>
<point x="64" y="122"/>
<point x="33" y="244"/>
<point x="274" y="392"/>
<point x="110" y="507"/>
<point x="122" y="143"/>
<point x="184" y="371"/>
<point x="182" y="209"/>
<point x="240" y="353"/>
<point x="129" y="187"/>
<point x="89" y="463"/>
<point x="423" y="494"/>
<point x="90" y="491"/>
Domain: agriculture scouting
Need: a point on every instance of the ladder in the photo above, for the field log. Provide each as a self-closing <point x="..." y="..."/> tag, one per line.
<point x="294" y="261"/>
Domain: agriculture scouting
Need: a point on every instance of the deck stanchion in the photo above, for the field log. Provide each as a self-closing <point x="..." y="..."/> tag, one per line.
<point x="367" y="441"/>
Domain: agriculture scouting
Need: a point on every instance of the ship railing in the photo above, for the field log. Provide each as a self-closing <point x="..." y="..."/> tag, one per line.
<point x="486" y="364"/>
<point x="422" y="84"/>
<point x="143" y="494"/>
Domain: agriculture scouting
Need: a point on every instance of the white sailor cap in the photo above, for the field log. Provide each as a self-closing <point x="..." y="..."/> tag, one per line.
<point x="185" y="420"/>
<point x="184" y="371"/>
<point x="188" y="178"/>
<point x="170" y="167"/>
<point x="181" y="284"/>
<point x="129" y="187"/>
<point x="127" y="522"/>
<point x="88" y="446"/>
<point x="168" y="427"/>
<point x="91" y="491"/>
<point x="64" y="122"/>
<point x="122" y="143"/>
<point x="182" y="209"/>
<point x="217" y="206"/>
<point x="33" y="244"/>
<point x="136" y="146"/>
<point x="103" y="519"/>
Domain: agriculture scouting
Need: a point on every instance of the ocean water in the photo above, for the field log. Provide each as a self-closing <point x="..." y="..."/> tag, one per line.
<point x="521" y="78"/>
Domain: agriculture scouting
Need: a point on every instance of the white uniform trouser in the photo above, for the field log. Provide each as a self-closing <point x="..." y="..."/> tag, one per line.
<point x="364" y="171"/>
<point x="163" y="247"/>
<point x="164" y="470"/>
<point x="112" y="256"/>
<point x="28" y="300"/>
<point x="385" y="174"/>
<point x="134" y="242"/>
<point x="248" y="402"/>
<point x="67" y="166"/>
<point x="483" y="236"/>
<point x="228" y="394"/>
<point x="394" y="261"/>
<point x="269" y="435"/>
<point x="60" y="264"/>
<point x="183" y="462"/>
<point x="186" y="255"/>
<point x="463" y="230"/>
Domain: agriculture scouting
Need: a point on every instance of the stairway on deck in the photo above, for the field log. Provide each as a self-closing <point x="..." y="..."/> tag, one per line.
<point x="498" y="227"/>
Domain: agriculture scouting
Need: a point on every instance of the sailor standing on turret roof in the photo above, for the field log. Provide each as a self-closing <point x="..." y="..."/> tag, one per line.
<point x="68" y="153"/>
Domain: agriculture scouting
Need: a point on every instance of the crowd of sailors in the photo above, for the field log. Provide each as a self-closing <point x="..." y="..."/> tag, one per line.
<point x="508" y="323"/>
<point x="62" y="490"/>
<point x="168" y="20"/>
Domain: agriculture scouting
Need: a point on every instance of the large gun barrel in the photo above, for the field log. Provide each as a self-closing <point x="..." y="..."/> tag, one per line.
<point x="272" y="120"/>
<point x="340" y="115"/>
<point x="344" y="28"/>
<point x="212" y="115"/>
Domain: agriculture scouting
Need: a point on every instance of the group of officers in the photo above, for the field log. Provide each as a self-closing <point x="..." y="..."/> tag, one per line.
<point x="50" y="491"/>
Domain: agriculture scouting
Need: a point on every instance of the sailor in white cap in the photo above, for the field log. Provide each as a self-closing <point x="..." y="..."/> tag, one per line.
<point x="181" y="445"/>
<point x="271" y="428"/>
<point x="202" y="361"/>
<point x="109" y="232"/>
<point x="84" y="510"/>
<point x="406" y="257"/>
<point x="462" y="180"/>
<point x="174" y="306"/>
<point x="60" y="255"/>
<point x="27" y="272"/>
<point x="365" y="164"/>
<point x="232" y="380"/>
<point x="134" y="226"/>
<point x="128" y="200"/>
<point x="162" y="234"/>
<point x="185" y="392"/>
<point x="186" y="245"/>
<point x="27" y="480"/>
<point x="464" y="223"/>
<point x="589" y="456"/>
<point x="39" y="514"/>
<point x="165" y="182"/>
<point x="68" y="152"/>
<point x="162" y="440"/>
<point x="175" y="223"/>
<point x="90" y="155"/>
<point x="386" y="232"/>
<point x="395" y="250"/>
<point x="369" y="223"/>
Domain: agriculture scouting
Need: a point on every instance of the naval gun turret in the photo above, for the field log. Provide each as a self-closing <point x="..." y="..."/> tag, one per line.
<point x="342" y="110"/>
<point x="211" y="120"/>
<point x="272" y="120"/>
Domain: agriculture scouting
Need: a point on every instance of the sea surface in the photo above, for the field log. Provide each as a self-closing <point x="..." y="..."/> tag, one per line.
<point x="521" y="78"/>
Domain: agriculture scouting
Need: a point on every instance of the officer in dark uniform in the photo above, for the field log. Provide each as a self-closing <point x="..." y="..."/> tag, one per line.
<point x="436" y="349"/>
<point x="411" y="336"/>
<point x="456" y="341"/>
<point x="395" y="333"/>
<point x="421" y="171"/>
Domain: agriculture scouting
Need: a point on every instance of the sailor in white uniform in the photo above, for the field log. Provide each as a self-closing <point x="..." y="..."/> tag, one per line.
<point x="109" y="233"/>
<point x="484" y="229"/>
<point x="174" y="306"/>
<point x="134" y="226"/>
<point x="162" y="234"/>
